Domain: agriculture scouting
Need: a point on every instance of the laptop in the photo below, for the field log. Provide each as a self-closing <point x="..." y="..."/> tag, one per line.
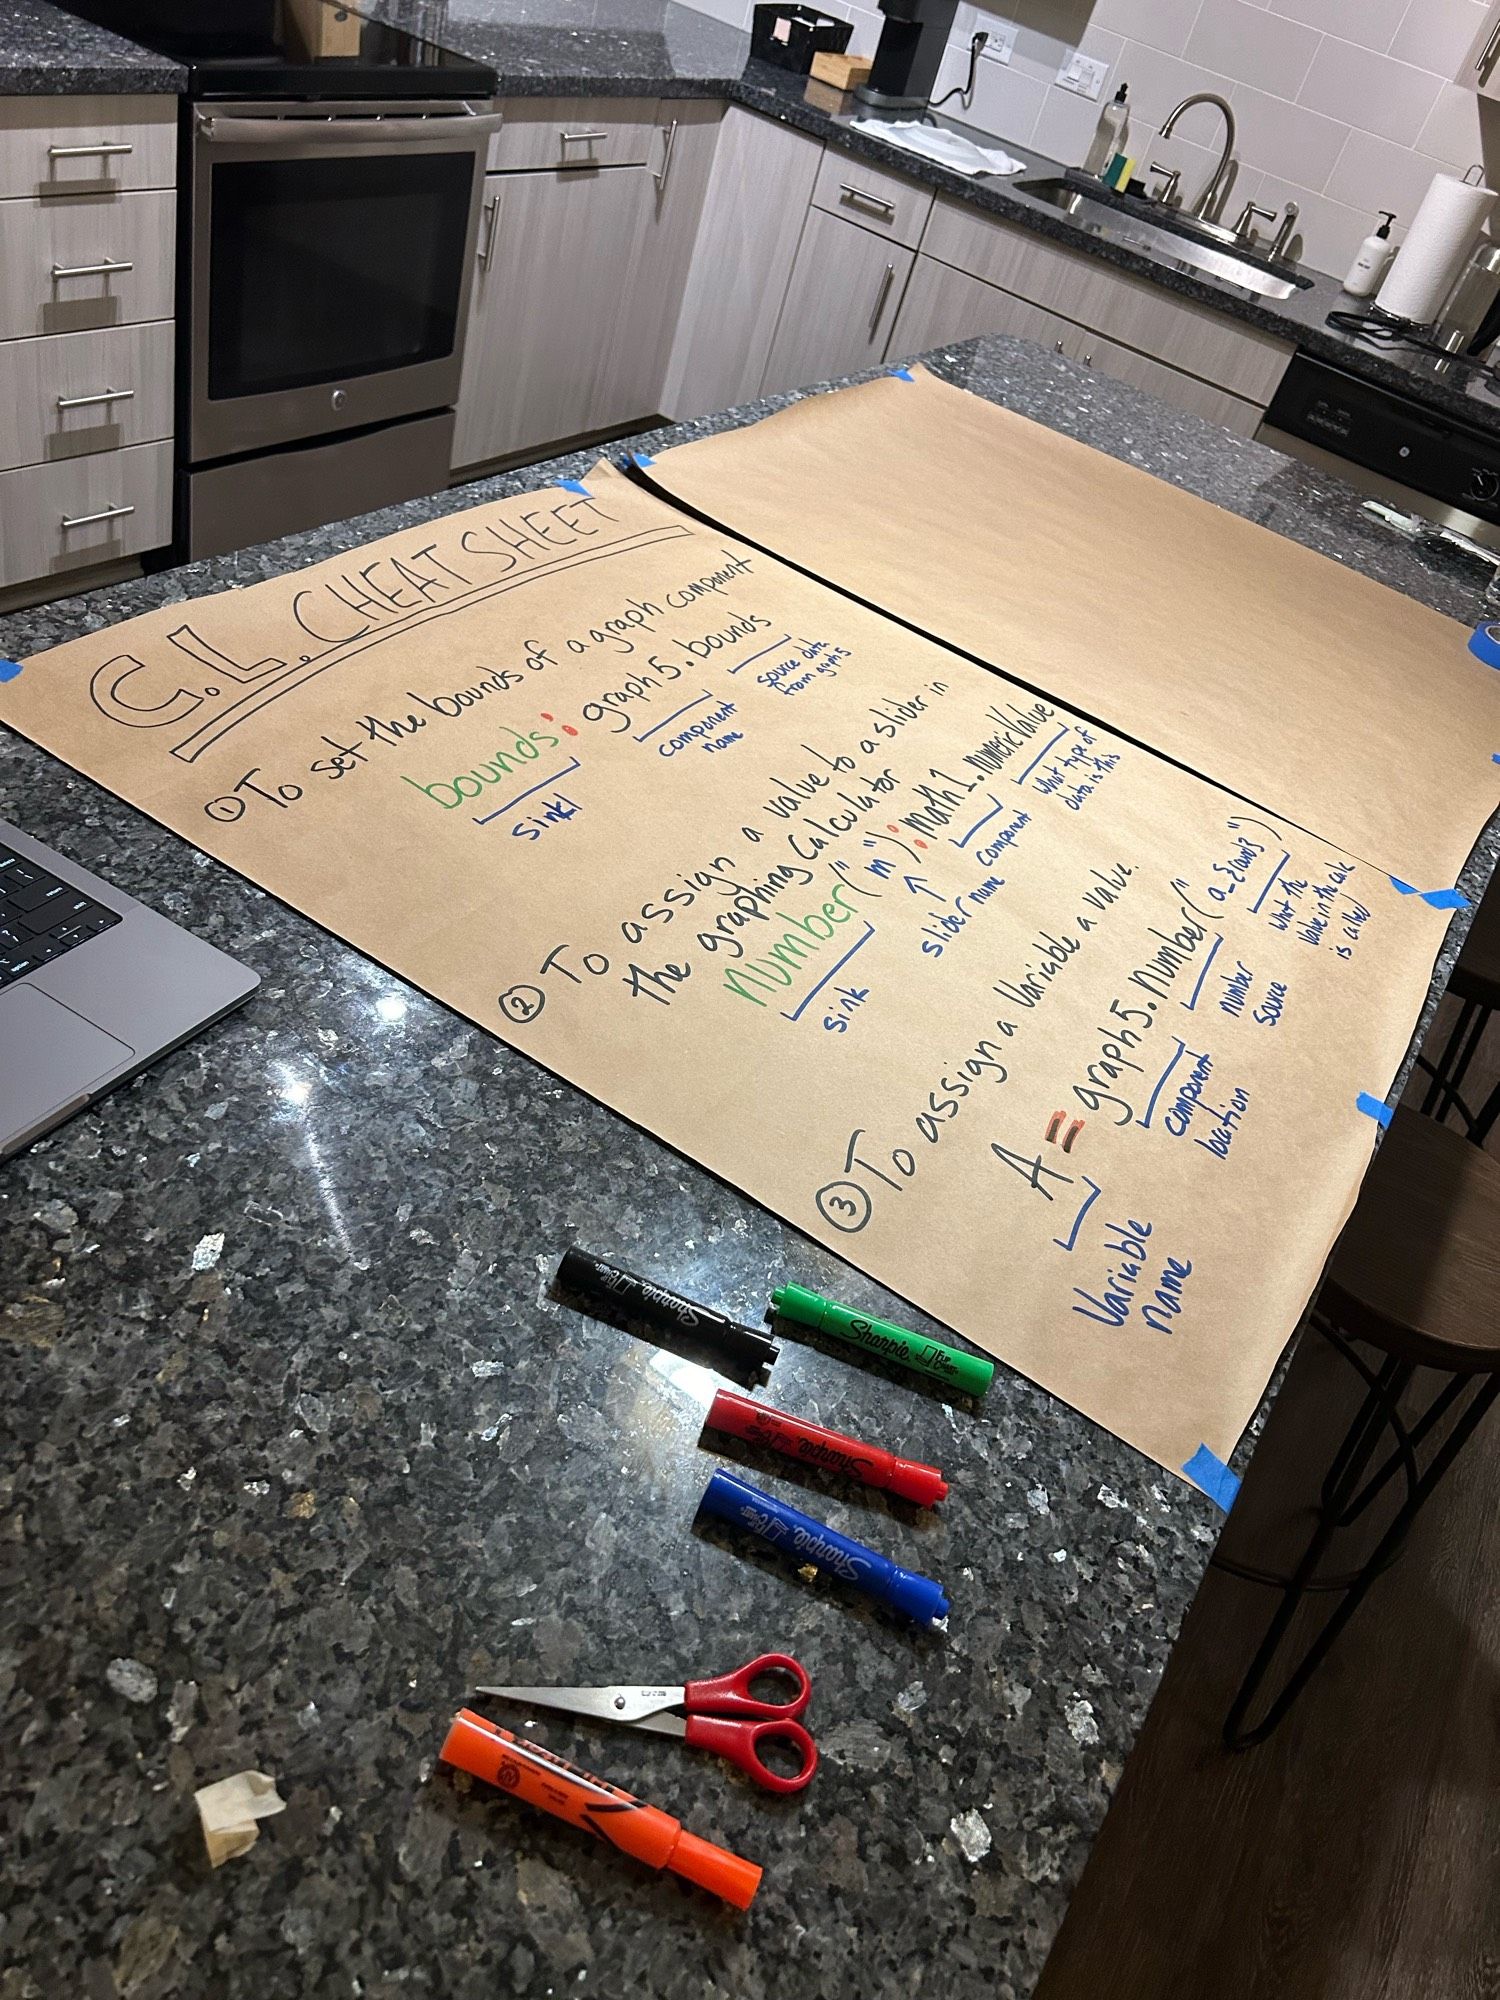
<point x="93" y="987"/>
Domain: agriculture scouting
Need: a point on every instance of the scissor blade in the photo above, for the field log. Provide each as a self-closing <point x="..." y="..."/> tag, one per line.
<point x="607" y="1704"/>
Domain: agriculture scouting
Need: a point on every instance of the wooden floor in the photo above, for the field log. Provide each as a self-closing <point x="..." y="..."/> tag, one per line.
<point x="1356" y="1855"/>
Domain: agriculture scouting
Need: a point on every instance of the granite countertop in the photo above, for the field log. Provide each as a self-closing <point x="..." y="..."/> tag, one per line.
<point x="298" y="1450"/>
<point x="45" y="52"/>
<point x="659" y="48"/>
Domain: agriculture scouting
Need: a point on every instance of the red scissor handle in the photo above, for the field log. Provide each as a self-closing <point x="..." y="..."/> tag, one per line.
<point x="730" y="1693"/>
<point x="741" y="1743"/>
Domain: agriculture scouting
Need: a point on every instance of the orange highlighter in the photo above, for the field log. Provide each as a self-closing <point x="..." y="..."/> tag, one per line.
<point x="540" y="1778"/>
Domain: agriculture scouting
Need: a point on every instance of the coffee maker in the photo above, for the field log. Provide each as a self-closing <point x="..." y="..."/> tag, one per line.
<point x="909" y="55"/>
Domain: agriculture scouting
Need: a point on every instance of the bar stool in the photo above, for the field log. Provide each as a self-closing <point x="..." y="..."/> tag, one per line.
<point x="1415" y="1276"/>
<point x="1476" y="985"/>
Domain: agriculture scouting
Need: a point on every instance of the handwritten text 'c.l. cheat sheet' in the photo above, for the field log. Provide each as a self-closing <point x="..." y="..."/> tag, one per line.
<point x="1050" y="1036"/>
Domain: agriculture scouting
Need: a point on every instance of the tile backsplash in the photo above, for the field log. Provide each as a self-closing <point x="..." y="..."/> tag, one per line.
<point x="1343" y="106"/>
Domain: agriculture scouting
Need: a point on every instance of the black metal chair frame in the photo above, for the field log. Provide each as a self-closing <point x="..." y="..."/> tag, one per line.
<point x="1342" y="1501"/>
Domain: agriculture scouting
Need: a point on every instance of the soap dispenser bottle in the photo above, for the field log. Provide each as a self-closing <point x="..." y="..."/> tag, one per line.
<point x="1109" y="133"/>
<point x="1370" y="260"/>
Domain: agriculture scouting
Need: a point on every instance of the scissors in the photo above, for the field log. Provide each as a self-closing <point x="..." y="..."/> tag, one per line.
<point x="721" y="1715"/>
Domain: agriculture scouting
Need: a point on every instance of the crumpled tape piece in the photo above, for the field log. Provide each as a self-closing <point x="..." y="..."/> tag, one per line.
<point x="230" y="1809"/>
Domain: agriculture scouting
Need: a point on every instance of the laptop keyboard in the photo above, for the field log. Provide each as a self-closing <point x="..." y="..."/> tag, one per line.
<point x="41" y="917"/>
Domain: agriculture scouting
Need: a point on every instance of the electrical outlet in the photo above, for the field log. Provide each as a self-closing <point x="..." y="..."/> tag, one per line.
<point x="1083" y="74"/>
<point x="1001" y="45"/>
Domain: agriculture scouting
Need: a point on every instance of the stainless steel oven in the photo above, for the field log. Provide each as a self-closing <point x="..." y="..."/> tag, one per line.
<point x="330" y="246"/>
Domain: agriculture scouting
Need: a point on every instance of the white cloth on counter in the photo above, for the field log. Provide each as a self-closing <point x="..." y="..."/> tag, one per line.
<point x="935" y="142"/>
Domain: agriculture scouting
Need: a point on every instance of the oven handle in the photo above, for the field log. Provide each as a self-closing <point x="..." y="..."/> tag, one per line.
<point x="358" y="131"/>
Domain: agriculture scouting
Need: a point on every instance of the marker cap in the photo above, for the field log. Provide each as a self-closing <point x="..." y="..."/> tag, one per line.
<point x="912" y="1481"/>
<point x="918" y="1596"/>
<point x="715" y="1868"/>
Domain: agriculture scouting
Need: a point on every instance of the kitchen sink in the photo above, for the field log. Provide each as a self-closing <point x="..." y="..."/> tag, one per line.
<point x="1167" y="238"/>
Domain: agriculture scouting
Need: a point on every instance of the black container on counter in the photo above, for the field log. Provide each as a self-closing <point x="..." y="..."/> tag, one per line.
<point x="791" y="36"/>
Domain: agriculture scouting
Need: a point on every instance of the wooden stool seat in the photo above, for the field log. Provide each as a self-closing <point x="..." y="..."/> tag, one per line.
<point x="1477" y="973"/>
<point x="1417" y="1269"/>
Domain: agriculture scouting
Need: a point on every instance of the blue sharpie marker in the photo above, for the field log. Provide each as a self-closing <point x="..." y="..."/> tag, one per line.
<point x="798" y="1535"/>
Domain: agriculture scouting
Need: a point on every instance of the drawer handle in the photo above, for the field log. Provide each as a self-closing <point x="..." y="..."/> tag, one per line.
<point x="881" y="296"/>
<point x="104" y="396"/>
<point x="581" y="138"/>
<point x="887" y="208"/>
<point x="104" y="150"/>
<point x="88" y="520"/>
<point x="491" y="224"/>
<point x="668" y="147"/>
<point x="105" y="270"/>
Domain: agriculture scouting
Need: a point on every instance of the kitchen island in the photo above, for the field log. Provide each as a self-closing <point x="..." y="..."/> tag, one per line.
<point x="301" y="1450"/>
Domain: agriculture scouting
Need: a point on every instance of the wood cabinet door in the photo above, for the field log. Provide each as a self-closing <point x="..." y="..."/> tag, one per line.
<point x="841" y="304"/>
<point x="943" y="305"/>
<point x="547" y="351"/>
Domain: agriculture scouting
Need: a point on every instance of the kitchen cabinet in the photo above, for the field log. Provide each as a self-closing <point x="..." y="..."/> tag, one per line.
<point x="1480" y="68"/>
<point x="84" y="511"/>
<point x="754" y="210"/>
<point x="576" y="293"/>
<point x="575" y="132"/>
<point x="845" y="292"/>
<point x="890" y="204"/>
<point x="943" y="305"/>
<point x="84" y="392"/>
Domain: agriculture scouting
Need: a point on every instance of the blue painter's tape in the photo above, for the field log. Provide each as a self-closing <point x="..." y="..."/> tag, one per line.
<point x="1485" y="645"/>
<point x="903" y="375"/>
<point x="1374" y="1107"/>
<point x="574" y="486"/>
<point x="643" y="459"/>
<point x="9" y="669"/>
<point x="1439" y="899"/>
<point x="1212" y="1476"/>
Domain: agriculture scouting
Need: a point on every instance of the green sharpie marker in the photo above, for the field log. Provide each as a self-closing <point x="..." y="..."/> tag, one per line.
<point x="879" y="1336"/>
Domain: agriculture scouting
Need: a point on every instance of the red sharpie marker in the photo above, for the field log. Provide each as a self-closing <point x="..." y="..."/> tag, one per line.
<point x="811" y="1444"/>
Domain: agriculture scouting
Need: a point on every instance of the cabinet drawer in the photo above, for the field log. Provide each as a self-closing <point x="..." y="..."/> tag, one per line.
<point x="131" y="489"/>
<point x="1183" y="392"/>
<point x="890" y="204"/>
<point x="74" y="393"/>
<point x="86" y="145"/>
<point x="74" y="265"/>
<point x="576" y="132"/>
<point x="1130" y="310"/>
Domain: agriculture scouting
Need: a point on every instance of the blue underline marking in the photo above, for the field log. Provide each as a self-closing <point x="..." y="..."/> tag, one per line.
<point x="540" y="785"/>
<point x="1040" y="755"/>
<point x="1072" y="1236"/>
<point x="1161" y="1080"/>
<point x="1192" y="1003"/>
<point x="696" y="702"/>
<point x="869" y="933"/>
<point x="784" y="640"/>
<point x="1000" y="807"/>
<point x="1271" y="882"/>
<point x="1374" y="1107"/>
<point x="1212" y="1476"/>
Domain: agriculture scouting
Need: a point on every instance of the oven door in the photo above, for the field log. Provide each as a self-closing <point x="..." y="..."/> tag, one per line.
<point x="331" y="252"/>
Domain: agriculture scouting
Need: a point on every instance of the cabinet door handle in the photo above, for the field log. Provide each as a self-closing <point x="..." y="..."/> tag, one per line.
<point x="1088" y="359"/>
<point x="107" y="269"/>
<point x="1057" y="347"/>
<point x="1487" y="53"/>
<point x="88" y="520"/>
<point x="881" y="296"/>
<point x="887" y="208"/>
<point x="105" y="149"/>
<point x="491" y="224"/>
<point x="669" y="141"/>
<point x="104" y="396"/>
<point x="580" y="138"/>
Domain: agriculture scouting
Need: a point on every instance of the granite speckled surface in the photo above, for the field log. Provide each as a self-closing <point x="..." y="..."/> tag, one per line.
<point x="47" y="52"/>
<point x="297" y="1449"/>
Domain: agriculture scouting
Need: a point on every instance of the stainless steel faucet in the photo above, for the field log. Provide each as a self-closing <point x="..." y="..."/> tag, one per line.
<point x="1218" y="179"/>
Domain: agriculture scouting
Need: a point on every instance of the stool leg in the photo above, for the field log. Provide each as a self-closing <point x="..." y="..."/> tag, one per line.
<point x="1449" y="1069"/>
<point x="1484" y="1123"/>
<point x="1239" y="1738"/>
<point x="1350" y="1460"/>
<point x="1441" y="1403"/>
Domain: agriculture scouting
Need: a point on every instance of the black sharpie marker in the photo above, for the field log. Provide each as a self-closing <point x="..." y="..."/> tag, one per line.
<point x="655" y="1309"/>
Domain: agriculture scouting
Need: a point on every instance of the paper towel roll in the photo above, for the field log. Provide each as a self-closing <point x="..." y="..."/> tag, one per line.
<point x="1443" y="232"/>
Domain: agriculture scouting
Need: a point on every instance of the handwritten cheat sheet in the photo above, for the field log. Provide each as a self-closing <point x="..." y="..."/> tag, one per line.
<point x="1298" y="683"/>
<point x="1052" y="1037"/>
